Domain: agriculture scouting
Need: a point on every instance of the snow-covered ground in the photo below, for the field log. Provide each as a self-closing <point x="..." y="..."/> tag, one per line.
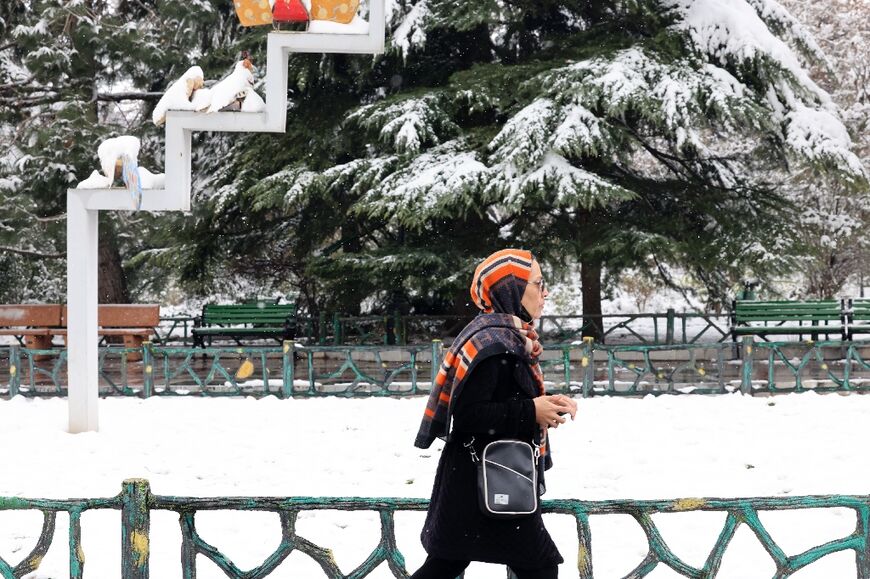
<point x="665" y="447"/>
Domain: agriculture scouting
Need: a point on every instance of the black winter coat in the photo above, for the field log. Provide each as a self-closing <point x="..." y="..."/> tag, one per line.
<point x="492" y="405"/>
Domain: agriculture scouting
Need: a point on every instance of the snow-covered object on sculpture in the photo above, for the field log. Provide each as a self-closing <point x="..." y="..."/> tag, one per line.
<point x="201" y="99"/>
<point x="178" y="96"/>
<point x="233" y="88"/>
<point x="253" y="103"/>
<point x="96" y="181"/>
<point x="111" y="151"/>
<point x="151" y="180"/>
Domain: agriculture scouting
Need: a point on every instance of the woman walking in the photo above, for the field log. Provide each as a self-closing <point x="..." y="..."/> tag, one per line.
<point x="490" y="387"/>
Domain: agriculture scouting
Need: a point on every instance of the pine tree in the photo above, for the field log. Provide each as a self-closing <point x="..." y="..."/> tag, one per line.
<point x="601" y="132"/>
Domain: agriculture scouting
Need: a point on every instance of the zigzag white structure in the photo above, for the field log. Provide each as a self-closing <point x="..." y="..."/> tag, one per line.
<point x="84" y="205"/>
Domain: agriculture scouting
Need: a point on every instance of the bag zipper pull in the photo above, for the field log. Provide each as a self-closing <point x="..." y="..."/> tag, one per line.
<point x="471" y="451"/>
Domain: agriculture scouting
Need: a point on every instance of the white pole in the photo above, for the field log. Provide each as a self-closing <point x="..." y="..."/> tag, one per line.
<point x="81" y="340"/>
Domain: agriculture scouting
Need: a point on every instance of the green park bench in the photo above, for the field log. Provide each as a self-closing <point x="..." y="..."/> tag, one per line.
<point x="790" y="318"/>
<point x="256" y="320"/>
<point x="859" y="317"/>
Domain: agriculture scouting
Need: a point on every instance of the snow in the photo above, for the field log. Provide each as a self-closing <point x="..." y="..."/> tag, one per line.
<point x="356" y="26"/>
<point x="151" y="180"/>
<point x="96" y="181"/>
<point x="412" y="32"/>
<point x="253" y="102"/>
<point x="177" y="96"/>
<point x="732" y="29"/>
<point x="201" y="99"/>
<point x="820" y="136"/>
<point x="651" y="448"/>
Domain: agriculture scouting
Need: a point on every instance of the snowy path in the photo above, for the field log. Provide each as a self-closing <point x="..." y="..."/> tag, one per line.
<point x="663" y="447"/>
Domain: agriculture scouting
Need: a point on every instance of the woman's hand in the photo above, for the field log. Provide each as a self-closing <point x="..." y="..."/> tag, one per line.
<point x="549" y="408"/>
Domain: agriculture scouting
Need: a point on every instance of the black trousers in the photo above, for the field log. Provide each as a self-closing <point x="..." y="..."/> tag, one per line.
<point x="447" y="569"/>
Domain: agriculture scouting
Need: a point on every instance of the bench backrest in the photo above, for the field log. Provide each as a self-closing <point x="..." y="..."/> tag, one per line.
<point x="41" y="315"/>
<point x="787" y="311"/>
<point x="860" y="309"/>
<point x="125" y="315"/>
<point x="256" y="313"/>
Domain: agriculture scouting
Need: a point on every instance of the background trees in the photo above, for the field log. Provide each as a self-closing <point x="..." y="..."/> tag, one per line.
<point x="604" y="134"/>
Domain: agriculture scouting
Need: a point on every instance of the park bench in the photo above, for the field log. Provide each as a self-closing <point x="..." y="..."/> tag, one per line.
<point x="132" y="323"/>
<point x="30" y="324"/>
<point x="858" y="316"/>
<point x="259" y="320"/>
<point x="34" y="325"/>
<point x="792" y="318"/>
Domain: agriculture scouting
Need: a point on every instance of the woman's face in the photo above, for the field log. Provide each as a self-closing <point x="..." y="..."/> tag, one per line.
<point x="536" y="293"/>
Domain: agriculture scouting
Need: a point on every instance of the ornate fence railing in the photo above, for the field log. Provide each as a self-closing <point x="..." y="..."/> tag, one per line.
<point x="668" y="327"/>
<point x="584" y="368"/>
<point x="136" y="503"/>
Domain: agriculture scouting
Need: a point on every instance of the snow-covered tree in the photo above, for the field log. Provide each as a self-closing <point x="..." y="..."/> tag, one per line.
<point x="835" y="219"/>
<point x="604" y="132"/>
<point x="598" y="132"/>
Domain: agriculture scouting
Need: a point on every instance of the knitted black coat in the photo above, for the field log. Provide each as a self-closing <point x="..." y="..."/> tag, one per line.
<point x="492" y="405"/>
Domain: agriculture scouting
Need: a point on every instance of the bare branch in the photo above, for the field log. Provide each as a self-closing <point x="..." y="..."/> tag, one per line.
<point x="129" y="96"/>
<point x="32" y="253"/>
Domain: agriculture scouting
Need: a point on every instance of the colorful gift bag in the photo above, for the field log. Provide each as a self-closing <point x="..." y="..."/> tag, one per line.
<point x="289" y="11"/>
<point x="253" y="12"/>
<point x="341" y="11"/>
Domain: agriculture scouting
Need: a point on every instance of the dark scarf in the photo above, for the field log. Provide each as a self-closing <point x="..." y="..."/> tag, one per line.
<point x="497" y="289"/>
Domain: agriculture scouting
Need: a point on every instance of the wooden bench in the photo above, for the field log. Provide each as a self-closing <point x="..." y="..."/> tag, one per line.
<point x="248" y="320"/>
<point x="35" y="325"/>
<point x="30" y="324"/>
<point x="858" y="316"/>
<point x="133" y="323"/>
<point x="800" y="318"/>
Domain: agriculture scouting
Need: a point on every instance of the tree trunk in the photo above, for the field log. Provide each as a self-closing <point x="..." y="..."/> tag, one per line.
<point x="111" y="283"/>
<point x="590" y="280"/>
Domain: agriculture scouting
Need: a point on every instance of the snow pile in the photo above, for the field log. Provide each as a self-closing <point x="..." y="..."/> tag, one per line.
<point x="356" y="26"/>
<point x="651" y="448"/>
<point x="821" y="136"/>
<point x="412" y="32"/>
<point x="230" y="89"/>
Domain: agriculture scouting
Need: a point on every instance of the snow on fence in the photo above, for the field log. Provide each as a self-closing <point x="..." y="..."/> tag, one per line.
<point x="136" y="504"/>
<point x="583" y="368"/>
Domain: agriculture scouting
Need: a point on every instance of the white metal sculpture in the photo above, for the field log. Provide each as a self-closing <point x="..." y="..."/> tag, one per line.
<point x="84" y="205"/>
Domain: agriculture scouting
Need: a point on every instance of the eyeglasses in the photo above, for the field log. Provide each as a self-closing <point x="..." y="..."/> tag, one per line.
<point x="542" y="285"/>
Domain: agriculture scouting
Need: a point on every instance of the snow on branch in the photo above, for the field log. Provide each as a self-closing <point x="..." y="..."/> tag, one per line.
<point x="407" y="126"/>
<point x="435" y="180"/>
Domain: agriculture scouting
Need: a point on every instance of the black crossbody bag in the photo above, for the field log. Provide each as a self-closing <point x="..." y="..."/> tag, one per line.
<point x="507" y="478"/>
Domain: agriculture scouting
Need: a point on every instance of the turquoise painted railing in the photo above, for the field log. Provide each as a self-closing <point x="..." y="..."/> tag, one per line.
<point x="583" y="368"/>
<point x="136" y="504"/>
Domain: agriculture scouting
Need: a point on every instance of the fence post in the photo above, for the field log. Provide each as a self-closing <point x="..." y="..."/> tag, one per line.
<point x="669" y="328"/>
<point x="288" y="376"/>
<point x="336" y="330"/>
<point x="135" y="524"/>
<point x="588" y="364"/>
<point x="437" y="351"/>
<point x="14" y="370"/>
<point x="147" y="370"/>
<point x="746" y="367"/>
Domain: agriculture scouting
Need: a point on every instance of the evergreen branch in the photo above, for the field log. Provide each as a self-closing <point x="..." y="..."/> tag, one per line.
<point x="32" y="253"/>
<point x="7" y="46"/>
<point x="19" y="84"/>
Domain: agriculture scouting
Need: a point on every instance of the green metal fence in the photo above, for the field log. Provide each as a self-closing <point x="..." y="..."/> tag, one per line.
<point x="583" y="368"/>
<point x="669" y="327"/>
<point x="136" y="503"/>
